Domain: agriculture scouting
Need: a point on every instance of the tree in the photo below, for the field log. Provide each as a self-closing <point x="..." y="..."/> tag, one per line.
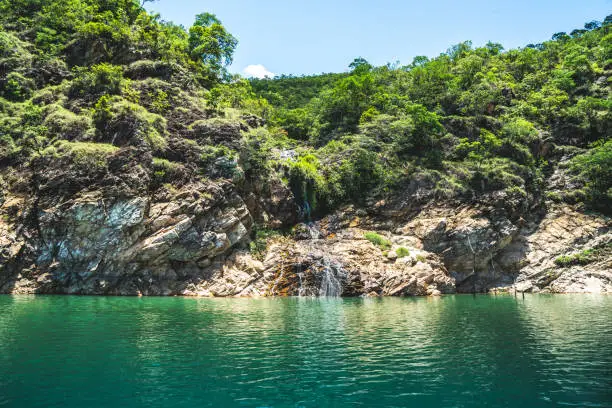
<point x="419" y="61"/>
<point x="561" y="36"/>
<point x="210" y="42"/>
<point x="360" y="66"/>
<point x="592" y="25"/>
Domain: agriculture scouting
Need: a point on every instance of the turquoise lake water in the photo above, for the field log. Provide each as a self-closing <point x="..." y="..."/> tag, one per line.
<point x="456" y="351"/>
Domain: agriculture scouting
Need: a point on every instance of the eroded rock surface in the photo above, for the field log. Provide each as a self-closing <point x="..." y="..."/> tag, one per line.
<point x="345" y="263"/>
<point x="485" y="250"/>
<point x="142" y="245"/>
<point x="194" y="242"/>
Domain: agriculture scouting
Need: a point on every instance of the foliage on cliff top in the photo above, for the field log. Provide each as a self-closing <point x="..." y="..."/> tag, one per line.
<point x="474" y="124"/>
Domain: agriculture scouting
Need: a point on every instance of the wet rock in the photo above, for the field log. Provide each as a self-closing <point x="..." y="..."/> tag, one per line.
<point x="301" y="268"/>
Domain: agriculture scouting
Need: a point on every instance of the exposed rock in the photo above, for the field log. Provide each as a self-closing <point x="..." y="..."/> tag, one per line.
<point x="485" y="250"/>
<point x="356" y="266"/>
<point x="562" y="232"/>
<point x="190" y="241"/>
<point x="468" y="240"/>
<point x="130" y="246"/>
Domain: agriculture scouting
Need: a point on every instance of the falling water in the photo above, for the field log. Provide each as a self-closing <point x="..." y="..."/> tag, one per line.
<point x="331" y="272"/>
<point x="301" y="287"/>
<point x="330" y="282"/>
<point x="314" y="231"/>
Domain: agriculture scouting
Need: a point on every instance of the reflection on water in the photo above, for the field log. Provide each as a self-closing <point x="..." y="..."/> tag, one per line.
<point x="457" y="351"/>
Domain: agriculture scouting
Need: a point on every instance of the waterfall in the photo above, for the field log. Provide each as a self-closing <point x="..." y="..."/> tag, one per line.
<point x="307" y="210"/>
<point x="330" y="282"/>
<point x="328" y="274"/>
<point x="301" y="287"/>
<point x="314" y="231"/>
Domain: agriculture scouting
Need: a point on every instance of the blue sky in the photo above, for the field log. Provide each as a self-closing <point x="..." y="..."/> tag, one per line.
<point x="308" y="37"/>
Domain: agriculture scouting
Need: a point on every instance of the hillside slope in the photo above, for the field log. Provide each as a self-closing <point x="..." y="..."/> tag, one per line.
<point x="131" y="162"/>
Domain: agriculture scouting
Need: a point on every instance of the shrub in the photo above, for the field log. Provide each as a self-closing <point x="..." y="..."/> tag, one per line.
<point x="7" y="146"/>
<point x="402" y="252"/>
<point x="86" y="155"/>
<point x="13" y="52"/>
<point x="352" y="169"/>
<point x="307" y="183"/>
<point x="378" y="240"/>
<point x="164" y="170"/>
<point x="219" y="161"/>
<point x="124" y="123"/>
<point x="256" y="151"/>
<point x="554" y="196"/>
<point x="64" y="124"/>
<point x="97" y="80"/>
<point x="519" y="130"/>
<point x="159" y="101"/>
<point x="16" y="87"/>
<point x="259" y="244"/>
<point x="583" y="258"/>
<point x="595" y="167"/>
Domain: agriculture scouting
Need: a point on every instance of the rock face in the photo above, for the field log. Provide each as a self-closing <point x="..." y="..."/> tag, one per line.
<point x="193" y="242"/>
<point x="131" y="246"/>
<point x="485" y="250"/>
<point x="563" y="233"/>
<point x="346" y="264"/>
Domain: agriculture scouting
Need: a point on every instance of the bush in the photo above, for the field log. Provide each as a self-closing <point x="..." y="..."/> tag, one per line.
<point x="124" y="123"/>
<point x="13" y="53"/>
<point x="583" y="258"/>
<point x="307" y="183"/>
<point x="64" y="124"/>
<point x="97" y="80"/>
<point x="219" y="161"/>
<point x="402" y="252"/>
<point x="256" y="156"/>
<point x="352" y="169"/>
<point x="595" y="168"/>
<point x="16" y="87"/>
<point x="519" y="130"/>
<point x="378" y="240"/>
<point x="259" y="244"/>
<point x="89" y="156"/>
<point x="165" y="170"/>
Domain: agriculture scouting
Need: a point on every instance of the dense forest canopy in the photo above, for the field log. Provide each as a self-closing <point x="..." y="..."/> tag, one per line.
<point x="86" y="81"/>
<point x="469" y="123"/>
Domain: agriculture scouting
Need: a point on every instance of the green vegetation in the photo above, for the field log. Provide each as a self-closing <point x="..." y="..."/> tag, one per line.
<point x="595" y="169"/>
<point x="378" y="240"/>
<point x="402" y="252"/>
<point x="259" y="244"/>
<point x="474" y="123"/>
<point x="584" y="257"/>
<point x="85" y="155"/>
<point x="108" y="85"/>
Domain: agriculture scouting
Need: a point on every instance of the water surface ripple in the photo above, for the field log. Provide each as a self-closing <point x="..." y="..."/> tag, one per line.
<point x="456" y="351"/>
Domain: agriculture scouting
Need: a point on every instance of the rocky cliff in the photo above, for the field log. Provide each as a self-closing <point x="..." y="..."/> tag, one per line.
<point x="194" y="242"/>
<point x="133" y="163"/>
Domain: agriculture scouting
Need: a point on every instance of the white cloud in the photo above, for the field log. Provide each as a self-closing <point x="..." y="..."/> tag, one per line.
<point x="258" y="71"/>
